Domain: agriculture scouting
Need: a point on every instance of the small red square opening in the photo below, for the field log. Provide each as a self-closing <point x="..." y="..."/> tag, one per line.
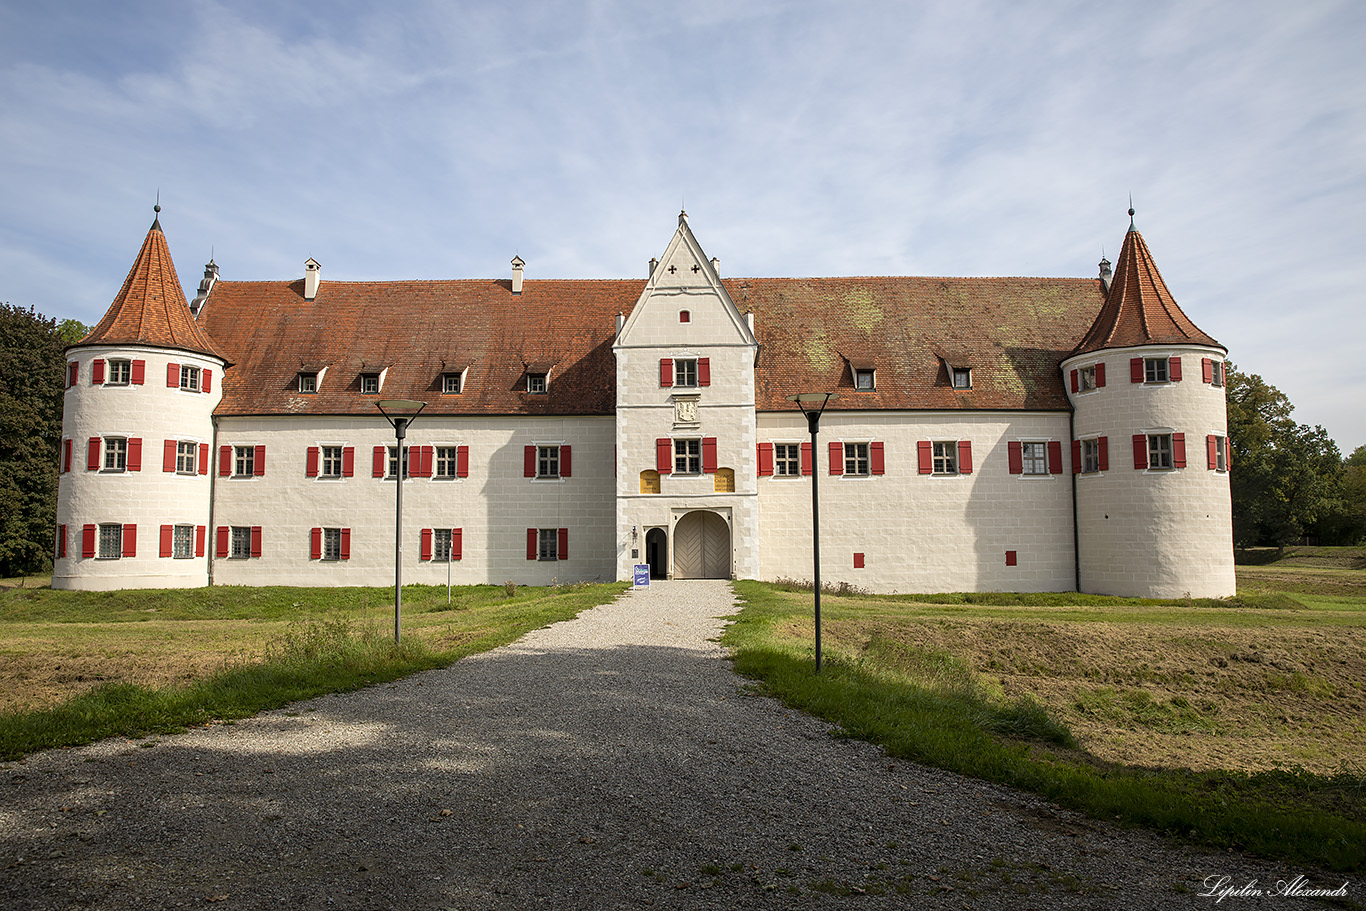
<point x="684" y="316"/>
<point x="1010" y="558"/>
<point x="858" y="561"/>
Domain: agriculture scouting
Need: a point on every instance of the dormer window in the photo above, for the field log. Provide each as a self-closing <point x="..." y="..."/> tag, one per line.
<point x="451" y="383"/>
<point x="864" y="379"/>
<point x="536" y="383"/>
<point x="962" y="377"/>
<point x="369" y="383"/>
<point x="308" y="382"/>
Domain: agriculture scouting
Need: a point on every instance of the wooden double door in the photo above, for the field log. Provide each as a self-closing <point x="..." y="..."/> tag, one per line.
<point x="702" y="548"/>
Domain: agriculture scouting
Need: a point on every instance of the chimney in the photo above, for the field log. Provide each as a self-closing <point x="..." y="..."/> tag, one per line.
<point x="654" y="264"/>
<point x="1105" y="273"/>
<point x="205" y="286"/>
<point x="517" y="265"/>
<point x="716" y="265"/>
<point x="749" y="320"/>
<point x="312" y="277"/>
<point x="621" y="321"/>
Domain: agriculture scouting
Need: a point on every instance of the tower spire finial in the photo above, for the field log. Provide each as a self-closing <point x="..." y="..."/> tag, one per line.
<point x="1131" y="213"/>
<point x="156" y="211"/>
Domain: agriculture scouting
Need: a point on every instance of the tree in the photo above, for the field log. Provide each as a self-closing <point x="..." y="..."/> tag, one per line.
<point x="32" y="361"/>
<point x="1285" y="477"/>
<point x="1350" y="524"/>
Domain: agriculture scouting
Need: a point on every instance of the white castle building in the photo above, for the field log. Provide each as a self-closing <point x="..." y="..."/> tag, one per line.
<point x="1014" y="434"/>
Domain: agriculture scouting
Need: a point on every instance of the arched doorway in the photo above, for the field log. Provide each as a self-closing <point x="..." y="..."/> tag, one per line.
<point x="702" y="547"/>
<point x="657" y="552"/>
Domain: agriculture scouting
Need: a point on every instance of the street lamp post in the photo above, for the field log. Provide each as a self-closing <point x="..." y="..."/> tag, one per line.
<point x="399" y="413"/>
<point x="807" y="401"/>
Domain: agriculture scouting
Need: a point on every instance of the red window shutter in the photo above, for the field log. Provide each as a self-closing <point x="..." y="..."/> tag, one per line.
<point x="1103" y="452"/>
<point x="1100" y="374"/>
<point x="1140" y="451"/>
<point x="1174" y="369"/>
<point x="61" y="541"/>
<point x="704" y="371"/>
<point x="315" y="543"/>
<point x="566" y="461"/>
<point x="206" y="380"/>
<point x="837" y="458"/>
<point x="876" y="461"/>
<point x="666" y="371"/>
<point x="381" y="456"/>
<point x="346" y="544"/>
<point x="1135" y="369"/>
<point x="531" y="544"/>
<point x="259" y="466"/>
<point x="348" y="461"/>
<point x="256" y="540"/>
<point x="1076" y="456"/>
<point x="1010" y="558"/>
<point x="858" y="561"/>
<point x="97" y="371"/>
<point x="709" y="455"/>
<point x="1074" y="380"/>
<point x="806" y="458"/>
<point x="1179" y="450"/>
<point x="137" y="373"/>
<point x="1015" y="456"/>
<point x="1206" y="370"/>
<point x="965" y="456"/>
<point x="457" y="543"/>
<point x="224" y="461"/>
<point x="462" y="462"/>
<point x="426" y="544"/>
<point x="664" y="455"/>
<point x="221" y="550"/>
<point x="73" y="373"/>
<point x="203" y="458"/>
<point x="92" y="455"/>
<point x="765" y="460"/>
<point x="88" y="541"/>
<point x="66" y="455"/>
<point x="528" y="461"/>
<point x="166" y="532"/>
<point x="311" y="462"/>
<point x="199" y="540"/>
<point x="562" y="551"/>
<point x="1054" y="457"/>
<point x="135" y="454"/>
<point x="168" y="452"/>
<point x="173" y="376"/>
<point x="1211" y="453"/>
<point x="130" y="540"/>
<point x="924" y="451"/>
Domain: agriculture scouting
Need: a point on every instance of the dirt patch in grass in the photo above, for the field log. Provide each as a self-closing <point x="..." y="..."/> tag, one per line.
<point x="1162" y="694"/>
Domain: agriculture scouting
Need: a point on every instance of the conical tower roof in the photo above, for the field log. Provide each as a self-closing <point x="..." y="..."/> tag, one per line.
<point x="150" y="308"/>
<point x="1139" y="310"/>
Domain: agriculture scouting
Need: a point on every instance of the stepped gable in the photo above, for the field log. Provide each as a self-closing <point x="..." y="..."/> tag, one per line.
<point x="150" y="308"/>
<point x="1010" y="332"/>
<point x="416" y="331"/>
<point x="1139" y="310"/>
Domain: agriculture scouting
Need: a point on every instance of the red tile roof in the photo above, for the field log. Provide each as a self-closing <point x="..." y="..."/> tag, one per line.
<point x="1139" y="310"/>
<point x="150" y="308"/>
<point x="1011" y="332"/>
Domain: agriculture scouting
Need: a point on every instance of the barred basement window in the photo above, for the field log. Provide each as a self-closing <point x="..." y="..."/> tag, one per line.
<point x="441" y="545"/>
<point x="548" y="544"/>
<point x="241" y="542"/>
<point x="787" y="460"/>
<point x="182" y="542"/>
<point x="332" y="543"/>
<point x="111" y="542"/>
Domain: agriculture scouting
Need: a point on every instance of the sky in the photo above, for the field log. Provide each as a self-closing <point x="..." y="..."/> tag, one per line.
<point x="805" y="138"/>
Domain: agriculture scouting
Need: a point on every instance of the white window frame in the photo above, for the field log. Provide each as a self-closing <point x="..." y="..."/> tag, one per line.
<point x="1034" y="458"/>
<point x="960" y="373"/>
<point x="367" y="380"/>
<point x="189" y="378"/>
<point x="244" y="461"/>
<point x="685" y="373"/>
<point x="239" y="547"/>
<point x="784" y="461"/>
<point x="118" y="372"/>
<point x="110" y="542"/>
<point x="1090" y="456"/>
<point x="1156" y="370"/>
<point x="330" y="461"/>
<point x="186" y="457"/>
<point x="688" y="456"/>
<point x="308" y="382"/>
<point x="1161" y="453"/>
<point x="182" y="542"/>
<point x="865" y="379"/>
<point x="450" y="461"/>
<point x="548" y="461"/>
<point x="858" y="461"/>
<point x="1086" y="378"/>
<point x="115" y="454"/>
<point x="455" y="379"/>
<point x="391" y="462"/>
<point x="1218" y="376"/>
<point x="944" y="458"/>
<point x="537" y="383"/>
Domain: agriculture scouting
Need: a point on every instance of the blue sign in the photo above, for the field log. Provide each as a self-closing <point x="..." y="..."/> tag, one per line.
<point x="642" y="575"/>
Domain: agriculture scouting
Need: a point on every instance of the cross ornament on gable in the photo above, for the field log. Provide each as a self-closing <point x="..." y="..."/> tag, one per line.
<point x="673" y="269"/>
<point x="696" y="267"/>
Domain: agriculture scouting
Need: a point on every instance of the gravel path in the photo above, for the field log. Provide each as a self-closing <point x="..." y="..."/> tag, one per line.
<point x="612" y="761"/>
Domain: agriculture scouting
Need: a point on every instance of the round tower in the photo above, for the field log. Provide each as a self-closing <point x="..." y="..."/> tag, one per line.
<point x="1149" y="443"/>
<point x="133" y="503"/>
